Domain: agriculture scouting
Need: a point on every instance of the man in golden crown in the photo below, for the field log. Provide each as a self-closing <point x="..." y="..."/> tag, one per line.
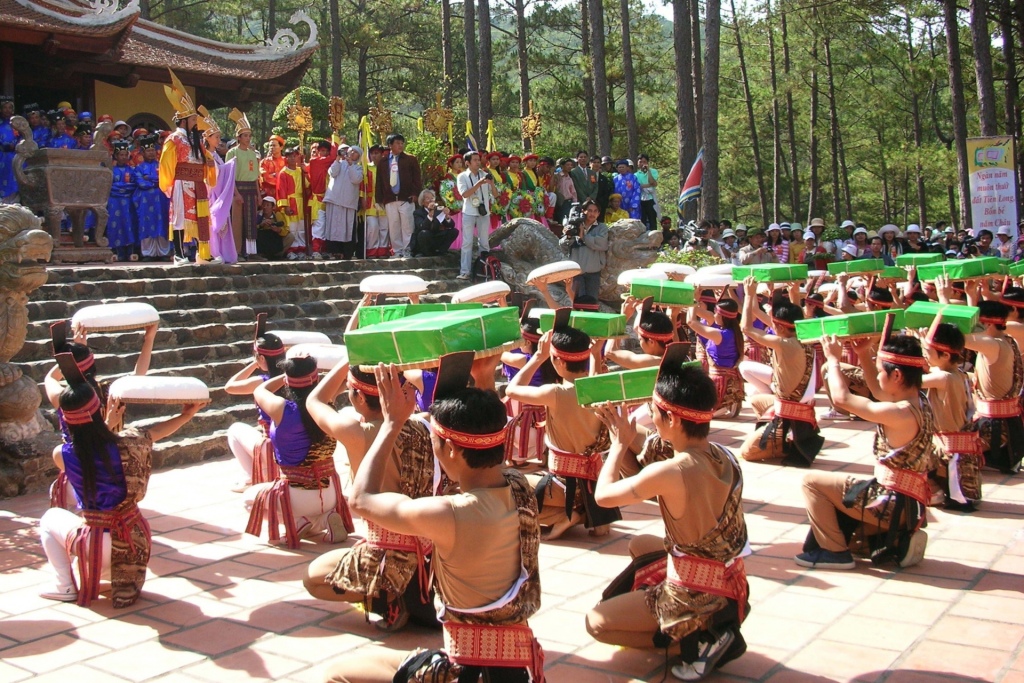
<point x="187" y="170"/>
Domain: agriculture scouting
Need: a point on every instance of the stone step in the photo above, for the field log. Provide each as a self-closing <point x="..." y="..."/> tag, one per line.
<point x="71" y="274"/>
<point x="186" y="450"/>
<point x="101" y="289"/>
<point x="206" y="421"/>
<point x="276" y="297"/>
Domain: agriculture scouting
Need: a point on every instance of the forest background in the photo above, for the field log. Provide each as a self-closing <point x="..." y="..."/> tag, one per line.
<point x="834" y="108"/>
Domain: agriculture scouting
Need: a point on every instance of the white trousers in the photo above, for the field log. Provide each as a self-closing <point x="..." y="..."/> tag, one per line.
<point x="400" y="226"/>
<point x="242" y="442"/>
<point x="156" y="246"/>
<point x="297" y="227"/>
<point x="758" y="375"/>
<point x="376" y="233"/>
<point x="473" y="225"/>
<point x="55" y="529"/>
<point x="307" y="506"/>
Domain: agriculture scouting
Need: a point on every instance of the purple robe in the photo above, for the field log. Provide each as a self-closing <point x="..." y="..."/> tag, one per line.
<point x="222" y="241"/>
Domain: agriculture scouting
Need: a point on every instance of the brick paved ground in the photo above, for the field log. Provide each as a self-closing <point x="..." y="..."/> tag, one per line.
<point x="221" y="606"/>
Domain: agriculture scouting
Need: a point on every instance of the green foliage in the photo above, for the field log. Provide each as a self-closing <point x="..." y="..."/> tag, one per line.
<point x="830" y="234"/>
<point x="696" y="259"/>
<point x="310" y="98"/>
<point x="432" y="153"/>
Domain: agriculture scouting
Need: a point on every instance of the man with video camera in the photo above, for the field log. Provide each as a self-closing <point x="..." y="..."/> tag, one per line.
<point x="704" y="240"/>
<point x="586" y="240"/>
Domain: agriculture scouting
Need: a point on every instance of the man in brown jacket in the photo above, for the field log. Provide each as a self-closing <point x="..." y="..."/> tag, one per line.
<point x="398" y="186"/>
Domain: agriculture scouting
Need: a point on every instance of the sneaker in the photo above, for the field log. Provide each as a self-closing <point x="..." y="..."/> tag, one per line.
<point x="915" y="553"/>
<point x="825" y="559"/>
<point x="462" y="277"/>
<point x="317" y="256"/>
<point x="336" y="531"/>
<point x="708" y="656"/>
<point x="292" y="256"/>
<point x="395" y="618"/>
<point x="59" y="594"/>
<point x="834" y="415"/>
<point x="215" y="261"/>
<point x="178" y="261"/>
<point x="305" y="530"/>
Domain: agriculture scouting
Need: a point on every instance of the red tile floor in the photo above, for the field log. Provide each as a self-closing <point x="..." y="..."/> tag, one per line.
<point x="222" y="606"/>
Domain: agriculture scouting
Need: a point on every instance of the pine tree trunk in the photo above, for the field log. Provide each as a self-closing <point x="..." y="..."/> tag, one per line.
<point x="686" y="123"/>
<point x="632" y="134"/>
<point x="604" y="130"/>
<point x="776" y="126"/>
<point x="588" y="77"/>
<point x="957" y="104"/>
<point x="812" y="197"/>
<point x="472" y="74"/>
<point x="486" y="69"/>
<point x="833" y="120"/>
<point x="697" y="70"/>
<point x="447" y="58"/>
<point x="915" y="114"/>
<point x="790" y="124"/>
<point x="335" y="49"/>
<point x="758" y="170"/>
<point x="886" y="205"/>
<point x="1012" y="85"/>
<point x="982" y="44"/>
<point x="524" y="71"/>
<point x="362" y="82"/>
<point x="712" y="32"/>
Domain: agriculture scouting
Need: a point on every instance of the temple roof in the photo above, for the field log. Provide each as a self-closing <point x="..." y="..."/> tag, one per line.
<point x="117" y="45"/>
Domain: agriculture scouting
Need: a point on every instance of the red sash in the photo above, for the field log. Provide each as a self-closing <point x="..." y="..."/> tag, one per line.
<point x="794" y="410"/>
<point x="87" y="544"/>
<point x="912" y="484"/>
<point x="967" y="443"/>
<point x="264" y="465"/>
<point x="379" y="537"/>
<point x="710" y="576"/>
<point x="566" y="464"/>
<point x="530" y="419"/>
<point x="196" y="173"/>
<point x="1005" y="407"/>
<point x="489" y="645"/>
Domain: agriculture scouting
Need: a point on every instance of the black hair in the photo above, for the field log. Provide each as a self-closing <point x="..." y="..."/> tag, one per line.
<point x="581" y="152"/>
<point x="882" y="295"/>
<point x="80" y="352"/>
<point x="951" y="336"/>
<point x="777" y="241"/>
<point x="656" y="322"/>
<point x="819" y="312"/>
<point x="394" y="137"/>
<point x="1014" y="294"/>
<point x="707" y="304"/>
<point x="918" y="295"/>
<point x="787" y="311"/>
<point x="571" y="340"/>
<point x="90" y="441"/>
<point x="993" y="309"/>
<point x="733" y="324"/>
<point x="473" y="411"/>
<point x="271" y="342"/>
<point x="300" y="367"/>
<point x="905" y="345"/>
<point x="372" y="402"/>
<point x="688" y="387"/>
<point x="725" y="223"/>
<point x="587" y="203"/>
<point x="468" y="156"/>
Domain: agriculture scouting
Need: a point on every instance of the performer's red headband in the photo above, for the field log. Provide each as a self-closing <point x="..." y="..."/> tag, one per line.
<point x="814" y="303"/>
<point x="570" y="356"/>
<point x="726" y="314"/>
<point x="779" y="322"/>
<point x="86" y="362"/>
<point x="530" y="336"/>
<point x="900" y="359"/>
<point x="991" y="320"/>
<point x="471" y="441"/>
<point x="84" y="414"/>
<point x="364" y="387"/>
<point x="267" y="352"/>
<point x="880" y="304"/>
<point x="663" y="337"/>
<point x="684" y="413"/>
<point x="303" y="381"/>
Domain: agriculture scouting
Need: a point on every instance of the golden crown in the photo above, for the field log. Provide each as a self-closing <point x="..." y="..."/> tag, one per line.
<point x="179" y="99"/>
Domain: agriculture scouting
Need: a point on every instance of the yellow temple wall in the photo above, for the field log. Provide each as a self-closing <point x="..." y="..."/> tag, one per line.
<point x="124" y="103"/>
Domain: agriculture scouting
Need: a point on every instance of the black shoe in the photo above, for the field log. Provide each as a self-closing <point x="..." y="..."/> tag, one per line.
<point x="826" y="559"/>
<point x="709" y="656"/>
<point x="957" y="506"/>
<point x="796" y="460"/>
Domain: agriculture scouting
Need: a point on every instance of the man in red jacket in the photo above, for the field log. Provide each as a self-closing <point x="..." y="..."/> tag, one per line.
<point x="398" y="184"/>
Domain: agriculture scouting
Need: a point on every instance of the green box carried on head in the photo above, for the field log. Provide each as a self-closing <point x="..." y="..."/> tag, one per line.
<point x="863" y="265"/>
<point x="848" y="325"/>
<point x="918" y="259"/>
<point x="420" y="340"/>
<point x="667" y="292"/>
<point x="922" y="313"/>
<point x="597" y="325"/>
<point x="962" y="269"/>
<point x="373" y="315"/>
<point x="771" y="272"/>
<point x="1015" y="269"/>
<point x="628" y="386"/>
<point x="893" y="273"/>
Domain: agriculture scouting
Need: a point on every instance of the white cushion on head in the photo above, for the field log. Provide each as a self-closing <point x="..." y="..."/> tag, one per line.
<point x="705" y="280"/>
<point x="719" y="269"/>
<point x="157" y="389"/>
<point x="553" y="272"/>
<point x="394" y="283"/>
<point x="124" y="316"/>
<point x="293" y="337"/>
<point x="484" y="293"/>
<point x="626" y="277"/>
<point x="673" y="268"/>
<point x="828" y="287"/>
<point x="538" y="312"/>
<point x="817" y="273"/>
<point x="857" y="282"/>
<point x="327" y="355"/>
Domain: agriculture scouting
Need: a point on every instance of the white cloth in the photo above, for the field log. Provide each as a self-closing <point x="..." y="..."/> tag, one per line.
<point x="312" y="506"/>
<point x="376" y="232"/>
<point x="481" y="227"/>
<point x="757" y="375"/>
<point x="468" y="179"/>
<point x="242" y="442"/>
<point x="297" y="227"/>
<point x="55" y="529"/>
<point x="338" y="223"/>
<point x="343" y="186"/>
<point x="156" y="246"/>
<point x="400" y="225"/>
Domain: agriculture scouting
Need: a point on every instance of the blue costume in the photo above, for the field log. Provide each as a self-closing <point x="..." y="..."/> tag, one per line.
<point x="151" y="205"/>
<point x="41" y="134"/>
<point x="8" y="141"/>
<point x="62" y="141"/>
<point x="122" y="230"/>
<point x="111" y="486"/>
<point x="629" y="187"/>
<point x="291" y="442"/>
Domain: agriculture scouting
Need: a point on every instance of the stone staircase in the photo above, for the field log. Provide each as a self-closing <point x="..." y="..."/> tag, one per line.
<point x="206" y="326"/>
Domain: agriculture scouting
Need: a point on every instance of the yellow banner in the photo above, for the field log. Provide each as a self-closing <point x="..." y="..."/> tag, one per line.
<point x="991" y="163"/>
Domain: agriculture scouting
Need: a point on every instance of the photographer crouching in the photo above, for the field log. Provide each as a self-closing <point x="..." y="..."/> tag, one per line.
<point x="435" y="230"/>
<point x="586" y="240"/>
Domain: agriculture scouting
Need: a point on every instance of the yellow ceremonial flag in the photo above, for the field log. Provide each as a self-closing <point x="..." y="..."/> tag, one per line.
<point x="490" y="135"/>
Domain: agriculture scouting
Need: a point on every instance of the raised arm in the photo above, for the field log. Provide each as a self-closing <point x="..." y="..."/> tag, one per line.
<point x="142" y="364"/>
<point x="519" y="387"/>
<point x="266" y="398"/>
<point x="162" y="430"/>
<point x="242" y="383"/>
<point x="710" y="333"/>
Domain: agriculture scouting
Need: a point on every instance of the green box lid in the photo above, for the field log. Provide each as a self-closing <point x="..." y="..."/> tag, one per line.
<point x="597" y="325"/>
<point x="991" y="265"/>
<point x="847" y="325"/>
<point x="918" y="259"/>
<point x="863" y="265"/>
<point x="960" y="269"/>
<point x="771" y="272"/>
<point x="922" y="313"/>
<point x="627" y="386"/>
<point x="667" y="292"/>
<point x="373" y="315"/>
<point x="1016" y="269"/>
<point x="893" y="273"/>
<point x="420" y="340"/>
